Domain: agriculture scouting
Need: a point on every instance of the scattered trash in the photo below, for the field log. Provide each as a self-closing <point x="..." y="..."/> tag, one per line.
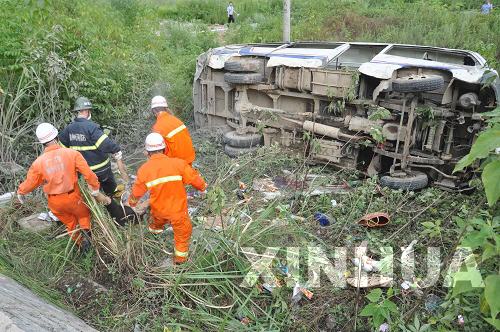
<point x="330" y="189"/>
<point x="460" y="320"/>
<point x="307" y="293"/>
<point x="409" y="249"/>
<point x="432" y="302"/>
<point x="384" y="327"/>
<point x="7" y="197"/>
<point x="322" y="219"/>
<point x="240" y="193"/>
<point x="269" y="287"/>
<point x="368" y="282"/>
<point x="334" y="203"/>
<point x="267" y="188"/>
<point x="367" y="264"/>
<point x="283" y="269"/>
<point x="53" y="216"/>
<point x="296" y="294"/>
<point x="376" y="219"/>
<point x="289" y="182"/>
<point x="299" y="291"/>
<point x="405" y="285"/>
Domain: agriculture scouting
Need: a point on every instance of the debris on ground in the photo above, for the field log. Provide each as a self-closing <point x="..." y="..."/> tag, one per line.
<point x="367" y="264"/>
<point x="330" y="189"/>
<point x="368" y="282"/>
<point x="267" y="187"/>
<point x="34" y="223"/>
<point x="6" y="198"/>
<point x="375" y="219"/>
<point x="322" y="219"/>
<point x="48" y="216"/>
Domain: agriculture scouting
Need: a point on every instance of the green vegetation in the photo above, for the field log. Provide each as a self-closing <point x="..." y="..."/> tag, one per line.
<point x="121" y="52"/>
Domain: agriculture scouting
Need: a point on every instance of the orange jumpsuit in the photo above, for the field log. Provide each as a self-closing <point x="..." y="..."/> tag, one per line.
<point x="57" y="170"/>
<point x="165" y="178"/>
<point x="176" y="136"/>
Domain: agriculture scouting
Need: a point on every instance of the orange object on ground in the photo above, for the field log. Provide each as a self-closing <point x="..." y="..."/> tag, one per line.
<point x="165" y="178"/>
<point x="376" y="219"/>
<point x="57" y="169"/>
<point x="176" y="136"/>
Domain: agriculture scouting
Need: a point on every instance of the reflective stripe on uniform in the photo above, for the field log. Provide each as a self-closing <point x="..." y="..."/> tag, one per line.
<point x="163" y="180"/>
<point x="90" y="147"/>
<point x="155" y="231"/>
<point x="83" y="148"/>
<point x="104" y="163"/>
<point x="100" y="140"/>
<point x="175" y="131"/>
<point x="180" y="253"/>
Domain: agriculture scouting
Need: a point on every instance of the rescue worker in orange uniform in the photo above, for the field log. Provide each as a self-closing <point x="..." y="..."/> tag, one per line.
<point x="165" y="178"/>
<point x="56" y="169"/>
<point x="173" y="130"/>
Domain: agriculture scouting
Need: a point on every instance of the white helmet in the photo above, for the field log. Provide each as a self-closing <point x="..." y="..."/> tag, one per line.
<point x="45" y="132"/>
<point x="154" y="142"/>
<point x="158" y="101"/>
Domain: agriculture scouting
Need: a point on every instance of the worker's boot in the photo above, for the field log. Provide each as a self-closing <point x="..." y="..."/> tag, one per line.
<point x="85" y="243"/>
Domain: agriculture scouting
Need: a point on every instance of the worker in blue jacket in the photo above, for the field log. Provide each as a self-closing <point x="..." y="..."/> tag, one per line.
<point x="87" y="137"/>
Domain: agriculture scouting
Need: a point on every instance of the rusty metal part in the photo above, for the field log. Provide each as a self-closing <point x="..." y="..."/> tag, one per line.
<point x="435" y="169"/>
<point x="430" y="138"/>
<point x="329" y="131"/>
<point x="403" y="109"/>
<point x="439" y="134"/>
<point x="413" y="159"/>
<point x="449" y="141"/>
<point x="409" y="127"/>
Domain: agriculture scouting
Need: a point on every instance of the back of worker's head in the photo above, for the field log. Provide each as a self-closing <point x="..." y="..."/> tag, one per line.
<point x="46" y="133"/>
<point x="158" y="104"/>
<point x="84" y="107"/>
<point x="155" y="144"/>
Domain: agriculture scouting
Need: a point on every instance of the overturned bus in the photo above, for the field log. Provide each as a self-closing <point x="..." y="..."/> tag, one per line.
<point x="407" y="113"/>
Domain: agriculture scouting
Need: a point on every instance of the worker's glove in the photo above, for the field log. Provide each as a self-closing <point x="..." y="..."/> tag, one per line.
<point x="94" y="192"/>
<point x="20" y="198"/>
<point x="118" y="156"/>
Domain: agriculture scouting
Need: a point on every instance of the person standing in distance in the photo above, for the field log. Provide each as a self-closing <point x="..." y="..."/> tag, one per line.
<point x="230" y="13"/>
